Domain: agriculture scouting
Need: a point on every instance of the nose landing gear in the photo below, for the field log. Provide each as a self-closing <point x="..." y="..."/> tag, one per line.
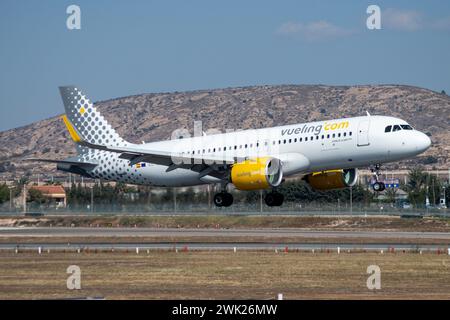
<point x="377" y="186"/>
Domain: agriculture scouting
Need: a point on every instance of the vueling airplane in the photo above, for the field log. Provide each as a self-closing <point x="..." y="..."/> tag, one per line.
<point x="326" y="153"/>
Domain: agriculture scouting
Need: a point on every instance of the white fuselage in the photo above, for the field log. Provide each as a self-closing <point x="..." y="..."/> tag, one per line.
<point x="302" y="148"/>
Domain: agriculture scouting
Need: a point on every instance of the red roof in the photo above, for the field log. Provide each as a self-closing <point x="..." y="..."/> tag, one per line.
<point x="50" y="189"/>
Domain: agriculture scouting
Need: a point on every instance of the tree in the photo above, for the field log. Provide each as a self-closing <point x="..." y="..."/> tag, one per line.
<point x="391" y="194"/>
<point x="4" y="193"/>
<point x="416" y="186"/>
<point x="36" y="196"/>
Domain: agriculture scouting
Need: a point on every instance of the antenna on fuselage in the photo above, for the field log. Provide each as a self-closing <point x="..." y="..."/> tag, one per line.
<point x="368" y="114"/>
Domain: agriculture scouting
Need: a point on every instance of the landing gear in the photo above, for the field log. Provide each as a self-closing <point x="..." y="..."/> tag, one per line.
<point x="223" y="199"/>
<point x="377" y="186"/>
<point x="274" y="199"/>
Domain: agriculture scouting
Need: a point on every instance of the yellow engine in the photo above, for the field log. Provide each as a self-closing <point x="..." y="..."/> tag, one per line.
<point x="255" y="174"/>
<point x="332" y="179"/>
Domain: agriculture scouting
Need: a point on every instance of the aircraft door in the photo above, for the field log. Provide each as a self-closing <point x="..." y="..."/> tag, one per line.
<point x="363" y="133"/>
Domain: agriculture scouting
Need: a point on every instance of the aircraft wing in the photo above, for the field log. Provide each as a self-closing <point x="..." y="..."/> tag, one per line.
<point x="209" y="165"/>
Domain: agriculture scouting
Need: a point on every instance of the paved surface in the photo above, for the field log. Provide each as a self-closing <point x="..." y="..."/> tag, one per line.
<point x="170" y="232"/>
<point x="221" y="246"/>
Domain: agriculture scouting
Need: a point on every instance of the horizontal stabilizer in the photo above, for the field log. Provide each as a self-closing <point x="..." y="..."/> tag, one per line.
<point x="84" y="165"/>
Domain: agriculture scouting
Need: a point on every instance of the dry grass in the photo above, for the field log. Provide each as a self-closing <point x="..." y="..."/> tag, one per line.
<point x="224" y="275"/>
<point x="379" y="223"/>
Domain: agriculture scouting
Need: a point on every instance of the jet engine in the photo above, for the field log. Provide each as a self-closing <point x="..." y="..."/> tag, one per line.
<point x="332" y="179"/>
<point x="255" y="174"/>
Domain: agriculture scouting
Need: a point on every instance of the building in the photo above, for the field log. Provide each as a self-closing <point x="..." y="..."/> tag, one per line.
<point x="56" y="193"/>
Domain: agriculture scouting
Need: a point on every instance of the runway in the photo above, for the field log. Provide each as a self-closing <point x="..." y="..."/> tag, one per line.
<point x="229" y="233"/>
<point x="214" y="239"/>
<point x="279" y="247"/>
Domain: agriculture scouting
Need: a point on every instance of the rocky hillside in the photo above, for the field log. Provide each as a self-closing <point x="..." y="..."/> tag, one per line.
<point x="150" y="117"/>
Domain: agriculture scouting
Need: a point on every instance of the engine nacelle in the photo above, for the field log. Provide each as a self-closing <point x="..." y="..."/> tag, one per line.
<point x="332" y="179"/>
<point x="255" y="174"/>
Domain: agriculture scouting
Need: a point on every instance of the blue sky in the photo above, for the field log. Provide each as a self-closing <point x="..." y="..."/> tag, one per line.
<point x="133" y="47"/>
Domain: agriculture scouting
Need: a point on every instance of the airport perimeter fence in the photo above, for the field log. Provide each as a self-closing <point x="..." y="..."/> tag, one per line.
<point x="288" y="208"/>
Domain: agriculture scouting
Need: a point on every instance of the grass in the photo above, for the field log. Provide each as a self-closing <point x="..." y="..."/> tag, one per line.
<point x="306" y="222"/>
<point x="224" y="275"/>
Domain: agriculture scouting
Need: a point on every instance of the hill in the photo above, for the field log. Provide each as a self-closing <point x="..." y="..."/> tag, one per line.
<point x="150" y="117"/>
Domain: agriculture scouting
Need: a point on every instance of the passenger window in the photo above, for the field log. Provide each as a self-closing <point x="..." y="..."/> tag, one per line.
<point x="284" y="141"/>
<point x="388" y="129"/>
<point x="300" y="139"/>
<point x="328" y="136"/>
<point x="323" y="137"/>
<point x="295" y="140"/>
<point x="339" y="135"/>
<point x="350" y="133"/>
<point x="345" y="134"/>
<point x="334" y="135"/>
<point x="306" y="138"/>
<point x="396" y="128"/>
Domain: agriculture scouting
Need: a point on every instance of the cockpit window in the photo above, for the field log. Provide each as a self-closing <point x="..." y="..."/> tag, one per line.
<point x="406" y="127"/>
<point x="397" y="128"/>
<point x="388" y="129"/>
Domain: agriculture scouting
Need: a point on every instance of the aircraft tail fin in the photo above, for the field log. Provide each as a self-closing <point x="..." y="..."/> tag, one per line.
<point x="85" y="123"/>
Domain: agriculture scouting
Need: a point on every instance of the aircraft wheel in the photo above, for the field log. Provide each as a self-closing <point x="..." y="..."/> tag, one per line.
<point x="378" y="186"/>
<point x="273" y="199"/>
<point x="223" y="199"/>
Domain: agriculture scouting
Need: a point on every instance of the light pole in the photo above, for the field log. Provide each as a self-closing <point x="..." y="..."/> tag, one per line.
<point x="174" y="199"/>
<point x="351" y="200"/>
<point x="24" y="198"/>
<point x="10" y="198"/>
<point x="260" y="201"/>
<point x="92" y="198"/>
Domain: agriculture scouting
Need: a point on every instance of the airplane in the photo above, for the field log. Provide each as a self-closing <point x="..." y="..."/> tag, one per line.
<point x="326" y="153"/>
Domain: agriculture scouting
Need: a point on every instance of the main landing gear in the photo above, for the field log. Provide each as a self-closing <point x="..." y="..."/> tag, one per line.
<point x="377" y="186"/>
<point x="274" y="199"/>
<point x="223" y="199"/>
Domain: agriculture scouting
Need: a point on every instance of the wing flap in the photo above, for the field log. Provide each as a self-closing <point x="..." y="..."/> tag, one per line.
<point x="166" y="158"/>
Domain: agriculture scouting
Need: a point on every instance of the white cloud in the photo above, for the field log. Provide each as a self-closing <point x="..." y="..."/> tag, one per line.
<point x="403" y="20"/>
<point x="312" y="31"/>
<point x="441" y="24"/>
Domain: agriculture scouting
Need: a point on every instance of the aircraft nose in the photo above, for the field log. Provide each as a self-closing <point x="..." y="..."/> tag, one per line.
<point x="423" y="142"/>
